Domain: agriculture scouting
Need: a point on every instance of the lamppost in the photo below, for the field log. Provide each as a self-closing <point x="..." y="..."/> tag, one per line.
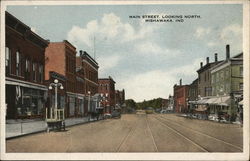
<point x="89" y="101"/>
<point x="105" y="99"/>
<point x="56" y="84"/>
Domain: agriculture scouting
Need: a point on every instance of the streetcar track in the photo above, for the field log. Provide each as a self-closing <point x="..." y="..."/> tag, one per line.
<point x="197" y="145"/>
<point x="132" y="129"/>
<point x="201" y="133"/>
<point x="150" y="131"/>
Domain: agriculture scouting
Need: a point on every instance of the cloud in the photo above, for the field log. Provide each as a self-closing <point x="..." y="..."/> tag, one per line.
<point x="157" y="83"/>
<point x="232" y="31"/>
<point x="108" y="62"/>
<point x="109" y="27"/>
<point x="201" y="32"/>
<point x="149" y="48"/>
<point x="148" y="85"/>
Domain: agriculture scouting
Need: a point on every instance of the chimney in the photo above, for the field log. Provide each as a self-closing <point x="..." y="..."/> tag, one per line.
<point x="201" y="64"/>
<point x="227" y="52"/>
<point x="80" y="52"/>
<point x="207" y="60"/>
<point x="215" y="57"/>
<point x="180" y="82"/>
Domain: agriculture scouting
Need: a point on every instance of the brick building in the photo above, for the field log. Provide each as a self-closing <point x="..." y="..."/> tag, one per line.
<point x="24" y="70"/>
<point x="119" y="97"/>
<point x="61" y="58"/>
<point x="181" y="97"/>
<point x="107" y="87"/>
<point x="88" y="68"/>
<point x="204" y="77"/>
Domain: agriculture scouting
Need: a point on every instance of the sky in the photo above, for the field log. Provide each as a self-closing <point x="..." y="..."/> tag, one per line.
<point x="144" y="58"/>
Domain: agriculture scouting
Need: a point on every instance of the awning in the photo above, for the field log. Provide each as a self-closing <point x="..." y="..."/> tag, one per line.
<point x="221" y="100"/>
<point x="15" y="82"/>
<point x="201" y="108"/>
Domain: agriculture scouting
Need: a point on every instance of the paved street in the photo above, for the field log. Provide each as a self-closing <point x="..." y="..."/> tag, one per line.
<point x="136" y="133"/>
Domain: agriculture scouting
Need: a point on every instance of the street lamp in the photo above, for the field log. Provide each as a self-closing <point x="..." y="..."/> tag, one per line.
<point x="56" y="84"/>
<point x="89" y="101"/>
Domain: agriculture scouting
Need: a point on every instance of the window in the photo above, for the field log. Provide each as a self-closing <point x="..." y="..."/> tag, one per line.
<point x="41" y="73"/>
<point x="241" y="86"/>
<point x="221" y="75"/>
<point x="34" y="71"/>
<point x="27" y="70"/>
<point x="217" y="77"/>
<point x="18" y="64"/>
<point x="212" y="81"/>
<point x="241" y="71"/>
<point x="7" y="60"/>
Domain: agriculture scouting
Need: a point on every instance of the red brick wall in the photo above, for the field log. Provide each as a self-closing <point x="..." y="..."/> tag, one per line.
<point x="110" y="90"/>
<point x="55" y="59"/>
<point x="180" y="96"/>
<point x="16" y="42"/>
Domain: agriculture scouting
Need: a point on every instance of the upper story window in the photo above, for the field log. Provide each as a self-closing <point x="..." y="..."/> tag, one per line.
<point x="212" y="81"/>
<point x="18" y="63"/>
<point x="241" y="71"/>
<point x="241" y="86"/>
<point x="40" y="73"/>
<point x="7" y="60"/>
<point x="27" y="69"/>
<point x="34" y="71"/>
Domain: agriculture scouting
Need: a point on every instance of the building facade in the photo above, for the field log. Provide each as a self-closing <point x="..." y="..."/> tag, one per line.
<point x="119" y="97"/>
<point x="204" y="77"/>
<point x="24" y="70"/>
<point x="89" y="76"/>
<point x="61" y="58"/>
<point x="227" y="82"/>
<point x="107" y="88"/>
<point x="181" y="97"/>
<point x="193" y="93"/>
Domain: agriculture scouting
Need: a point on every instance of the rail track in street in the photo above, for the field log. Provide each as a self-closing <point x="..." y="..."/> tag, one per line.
<point x="124" y="140"/>
<point x="151" y="134"/>
<point x="183" y="136"/>
<point x="173" y="125"/>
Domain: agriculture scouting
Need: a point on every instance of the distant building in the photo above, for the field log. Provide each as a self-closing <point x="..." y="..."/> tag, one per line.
<point x="170" y="103"/>
<point x="107" y="88"/>
<point x="87" y="78"/>
<point x="193" y="93"/>
<point x="119" y="98"/>
<point x="61" y="58"/>
<point x="24" y="70"/>
<point x="227" y="82"/>
<point x="181" y="97"/>
<point x="204" y="77"/>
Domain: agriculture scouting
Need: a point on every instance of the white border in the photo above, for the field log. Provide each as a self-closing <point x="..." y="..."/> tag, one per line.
<point x="130" y="156"/>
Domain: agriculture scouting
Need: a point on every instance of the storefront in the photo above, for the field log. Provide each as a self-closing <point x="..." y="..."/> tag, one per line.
<point x="80" y="105"/>
<point x="24" y="99"/>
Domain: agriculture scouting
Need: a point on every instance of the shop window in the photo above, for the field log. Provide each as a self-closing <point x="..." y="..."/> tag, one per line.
<point x="71" y="106"/>
<point x="7" y="60"/>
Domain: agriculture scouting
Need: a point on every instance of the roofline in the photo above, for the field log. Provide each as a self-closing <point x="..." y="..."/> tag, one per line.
<point x="33" y="33"/>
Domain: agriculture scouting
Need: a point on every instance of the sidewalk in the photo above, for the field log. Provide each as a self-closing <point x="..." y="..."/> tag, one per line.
<point x="19" y="127"/>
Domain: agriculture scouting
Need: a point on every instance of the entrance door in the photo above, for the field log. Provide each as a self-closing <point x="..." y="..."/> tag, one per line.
<point x="10" y="99"/>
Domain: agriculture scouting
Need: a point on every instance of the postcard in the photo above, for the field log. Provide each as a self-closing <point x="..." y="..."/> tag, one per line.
<point x="125" y="80"/>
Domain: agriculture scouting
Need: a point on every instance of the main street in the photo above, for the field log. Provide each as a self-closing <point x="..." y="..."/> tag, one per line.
<point x="136" y="133"/>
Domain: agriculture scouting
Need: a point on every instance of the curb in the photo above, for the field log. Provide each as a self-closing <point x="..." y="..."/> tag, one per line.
<point x="45" y="130"/>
